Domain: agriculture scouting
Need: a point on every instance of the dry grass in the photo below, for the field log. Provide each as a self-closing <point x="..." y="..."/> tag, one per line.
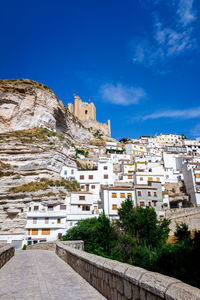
<point x="32" y="135"/>
<point x="44" y="184"/>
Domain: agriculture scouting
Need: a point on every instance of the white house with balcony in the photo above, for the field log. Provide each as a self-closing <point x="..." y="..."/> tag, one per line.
<point x="45" y="222"/>
<point x="81" y="205"/>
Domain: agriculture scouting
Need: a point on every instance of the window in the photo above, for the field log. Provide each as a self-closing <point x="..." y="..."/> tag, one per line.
<point x="65" y="172"/>
<point x="114" y="207"/>
<point x="154" y="203"/>
<point x="141" y="178"/>
<point x="93" y="186"/>
<point x="82" y="187"/>
<point x="142" y="203"/>
<point x="157" y="178"/>
<point x="90" y="176"/>
<point x="114" y="195"/>
<point x="141" y="147"/>
<point x="86" y="112"/>
<point x="58" y="221"/>
<point x="150" y="179"/>
<point x="34" y="231"/>
<point x="81" y="176"/>
<point x="139" y="193"/>
<point x="105" y="176"/>
<point x="129" y="195"/>
<point x="29" y="231"/>
<point x="63" y="207"/>
<point x="149" y="194"/>
<point x="72" y="172"/>
<point x="130" y="176"/>
<point x="81" y="197"/>
<point x="46" y="220"/>
<point x="50" y="208"/>
<point x="95" y="207"/>
<point x="22" y="210"/>
<point x="149" y="203"/>
<point x="45" y="231"/>
<point x="122" y="195"/>
<point x="34" y="220"/>
<point x="197" y="175"/>
<point x="105" y="168"/>
<point x="155" y="194"/>
<point x="36" y="208"/>
<point x="86" y="207"/>
<point x="29" y="209"/>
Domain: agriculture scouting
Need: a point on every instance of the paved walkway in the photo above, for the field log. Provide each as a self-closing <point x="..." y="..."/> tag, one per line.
<point x="39" y="274"/>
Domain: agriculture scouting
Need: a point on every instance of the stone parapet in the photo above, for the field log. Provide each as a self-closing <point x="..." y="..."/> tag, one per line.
<point x="51" y="246"/>
<point x="117" y="280"/>
<point x="74" y="244"/>
<point x="6" y="252"/>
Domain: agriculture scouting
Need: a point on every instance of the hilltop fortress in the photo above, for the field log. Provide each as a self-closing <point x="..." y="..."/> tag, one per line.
<point x="86" y="113"/>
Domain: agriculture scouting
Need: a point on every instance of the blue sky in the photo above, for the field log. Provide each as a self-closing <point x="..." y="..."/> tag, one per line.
<point x="139" y="61"/>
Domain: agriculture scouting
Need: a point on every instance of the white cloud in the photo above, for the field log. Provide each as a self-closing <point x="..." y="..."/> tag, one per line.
<point x="181" y="114"/>
<point x="167" y="42"/>
<point x="121" y="95"/>
<point x="186" y="13"/>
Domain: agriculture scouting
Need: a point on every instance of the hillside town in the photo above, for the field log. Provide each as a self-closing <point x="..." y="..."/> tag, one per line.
<point x="162" y="172"/>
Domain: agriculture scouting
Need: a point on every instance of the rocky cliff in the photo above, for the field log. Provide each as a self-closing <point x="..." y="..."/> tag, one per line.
<point x="36" y="134"/>
<point x="26" y="104"/>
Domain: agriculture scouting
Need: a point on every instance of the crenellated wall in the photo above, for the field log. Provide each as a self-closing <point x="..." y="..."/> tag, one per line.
<point x="117" y="280"/>
<point x="6" y="252"/>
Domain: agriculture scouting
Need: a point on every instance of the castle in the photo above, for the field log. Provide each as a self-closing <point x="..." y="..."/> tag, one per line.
<point x="86" y="113"/>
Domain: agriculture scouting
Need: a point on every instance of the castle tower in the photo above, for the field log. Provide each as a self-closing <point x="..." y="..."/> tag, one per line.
<point x="83" y="110"/>
<point x="86" y="112"/>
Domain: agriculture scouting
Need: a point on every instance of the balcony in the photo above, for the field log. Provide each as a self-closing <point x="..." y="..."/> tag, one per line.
<point x="46" y="213"/>
<point x="41" y="225"/>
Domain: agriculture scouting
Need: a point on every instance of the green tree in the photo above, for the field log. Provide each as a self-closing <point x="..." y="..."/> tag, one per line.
<point x="182" y="232"/>
<point x="97" y="234"/>
<point x="142" y="224"/>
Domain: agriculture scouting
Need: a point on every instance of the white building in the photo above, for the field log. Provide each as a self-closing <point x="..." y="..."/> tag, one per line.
<point x="80" y="206"/>
<point x="112" y="198"/>
<point x="45" y="222"/>
<point x="191" y="176"/>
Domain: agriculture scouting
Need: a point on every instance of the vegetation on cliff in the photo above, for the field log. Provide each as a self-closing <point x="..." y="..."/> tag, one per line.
<point x="16" y="85"/>
<point x="44" y="184"/>
<point x="32" y="135"/>
<point x="139" y="238"/>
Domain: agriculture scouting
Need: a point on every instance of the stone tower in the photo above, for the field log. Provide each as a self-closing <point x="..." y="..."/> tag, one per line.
<point x="86" y="112"/>
<point x="82" y="110"/>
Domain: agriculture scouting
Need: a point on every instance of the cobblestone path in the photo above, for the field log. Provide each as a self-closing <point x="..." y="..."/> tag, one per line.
<point x="39" y="274"/>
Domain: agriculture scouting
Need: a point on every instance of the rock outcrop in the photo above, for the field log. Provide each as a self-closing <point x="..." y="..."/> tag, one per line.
<point x="37" y="133"/>
<point x="26" y="104"/>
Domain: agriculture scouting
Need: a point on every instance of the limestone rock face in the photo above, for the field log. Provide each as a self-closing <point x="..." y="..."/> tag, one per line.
<point x="27" y="104"/>
<point x="37" y="133"/>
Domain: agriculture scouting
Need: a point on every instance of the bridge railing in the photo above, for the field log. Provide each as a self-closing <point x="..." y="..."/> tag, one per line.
<point x="6" y="252"/>
<point x="117" y="280"/>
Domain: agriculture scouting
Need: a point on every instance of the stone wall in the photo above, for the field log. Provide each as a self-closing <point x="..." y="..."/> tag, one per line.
<point x="74" y="244"/>
<point x="117" y="280"/>
<point x="189" y="215"/>
<point x="6" y="252"/>
<point x="43" y="246"/>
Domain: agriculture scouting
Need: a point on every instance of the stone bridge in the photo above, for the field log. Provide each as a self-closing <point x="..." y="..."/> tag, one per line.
<point x="71" y="273"/>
